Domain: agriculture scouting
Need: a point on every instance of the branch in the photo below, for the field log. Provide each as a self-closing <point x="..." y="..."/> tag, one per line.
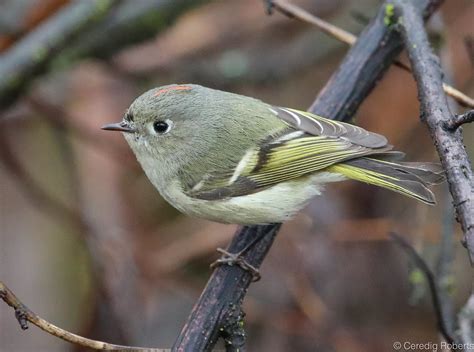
<point x="369" y="58"/>
<point x="115" y="274"/>
<point x="83" y="29"/>
<point x="346" y="37"/>
<point x="459" y="120"/>
<point x="30" y="57"/>
<point x="25" y="315"/>
<point x="218" y="311"/>
<point x="438" y="305"/>
<point x="294" y="11"/>
<point x="436" y="114"/>
<point x="364" y="64"/>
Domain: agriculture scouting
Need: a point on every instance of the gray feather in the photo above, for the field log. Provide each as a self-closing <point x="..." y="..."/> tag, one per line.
<point x="320" y="126"/>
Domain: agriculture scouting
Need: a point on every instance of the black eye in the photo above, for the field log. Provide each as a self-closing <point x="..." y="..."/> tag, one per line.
<point x="129" y="116"/>
<point x="161" y="127"/>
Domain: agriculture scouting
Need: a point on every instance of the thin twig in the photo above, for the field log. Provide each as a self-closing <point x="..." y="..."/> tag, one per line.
<point x="25" y="315"/>
<point x="459" y="120"/>
<point x="433" y="285"/>
<point x="459" y="96"/>
<point x="295" y="11"/>
<point x="436" y="114"/>
<point x="107" y="285"/>
<point x="344" y="36"/>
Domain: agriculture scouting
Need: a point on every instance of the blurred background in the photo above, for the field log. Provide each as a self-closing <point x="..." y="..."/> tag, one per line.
<point x="88" y="244"/>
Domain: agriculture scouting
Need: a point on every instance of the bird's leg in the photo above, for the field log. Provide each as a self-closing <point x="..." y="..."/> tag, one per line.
<point x="238" y="259"/>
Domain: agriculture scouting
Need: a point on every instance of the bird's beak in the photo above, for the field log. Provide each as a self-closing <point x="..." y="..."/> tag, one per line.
<point x="118" y="126"/>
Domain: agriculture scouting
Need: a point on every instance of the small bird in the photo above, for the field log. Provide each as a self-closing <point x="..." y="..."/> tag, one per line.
<point x="235" y="159"/>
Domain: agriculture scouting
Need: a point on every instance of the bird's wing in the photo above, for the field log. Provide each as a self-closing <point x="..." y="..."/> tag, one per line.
<point x="310" y="143"/>
<point x="319" y="126"/>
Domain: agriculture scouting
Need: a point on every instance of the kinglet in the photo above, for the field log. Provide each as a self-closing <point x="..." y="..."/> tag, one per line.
<point x="234" y="159"/>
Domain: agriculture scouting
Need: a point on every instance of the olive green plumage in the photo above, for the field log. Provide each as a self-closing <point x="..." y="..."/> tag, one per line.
<point x="235" y="159"/>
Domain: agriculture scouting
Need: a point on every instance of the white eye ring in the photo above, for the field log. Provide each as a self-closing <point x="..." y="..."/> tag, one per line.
<point x="160" y="127"/>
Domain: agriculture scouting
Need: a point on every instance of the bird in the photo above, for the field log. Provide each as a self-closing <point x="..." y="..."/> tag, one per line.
<point x="235" y="159"/>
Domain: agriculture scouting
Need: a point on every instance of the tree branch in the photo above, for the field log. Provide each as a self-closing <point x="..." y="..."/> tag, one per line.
<point x="370" y="56"/>
<point x="218" y="311"/>
<point x="25" y="315"/>
<point x="459" y="120"/>
<point x="436" y="114"/>
<point x="364" y="64"/>
<point x="83" y="29"/>
<point x="344" y="36"/>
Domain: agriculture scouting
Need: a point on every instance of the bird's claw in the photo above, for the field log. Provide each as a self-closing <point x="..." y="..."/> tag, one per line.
<point x="236" y="259"/>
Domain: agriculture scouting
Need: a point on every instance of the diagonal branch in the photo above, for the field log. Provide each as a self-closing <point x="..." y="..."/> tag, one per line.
<point x="344" y="36"/>
<point x="25" y="315"/>
<point x="218" y="311"/>
<point x="436" y="114"/>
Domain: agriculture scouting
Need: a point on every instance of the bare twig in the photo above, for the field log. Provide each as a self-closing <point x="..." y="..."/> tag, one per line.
<point x="25" y="315"/>
<point x="432" y="283"/>
<point x="460" y="97"/>
<point x="344" y="36"/>
<point x="295" y="11"/>
<point x="436" y="114"/>
<point x="112" y="306"/>
<point x="459" y="120"/>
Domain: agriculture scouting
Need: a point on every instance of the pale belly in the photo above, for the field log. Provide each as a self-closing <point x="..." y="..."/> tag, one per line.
<point x="274" y="204"/>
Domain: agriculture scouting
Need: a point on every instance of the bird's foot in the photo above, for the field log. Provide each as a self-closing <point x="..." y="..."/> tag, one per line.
<point x="236" y="259"/>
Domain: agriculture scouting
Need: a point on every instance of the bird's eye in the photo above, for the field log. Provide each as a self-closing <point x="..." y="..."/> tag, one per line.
<point x="129" y="116"/>
<point x="162" y="127"/>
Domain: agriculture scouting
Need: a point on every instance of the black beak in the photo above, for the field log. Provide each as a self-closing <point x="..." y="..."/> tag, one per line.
<point x="118" y="126"/>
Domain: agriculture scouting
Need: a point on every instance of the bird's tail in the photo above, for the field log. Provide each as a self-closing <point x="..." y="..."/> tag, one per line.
<point x="409" y="178"/>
